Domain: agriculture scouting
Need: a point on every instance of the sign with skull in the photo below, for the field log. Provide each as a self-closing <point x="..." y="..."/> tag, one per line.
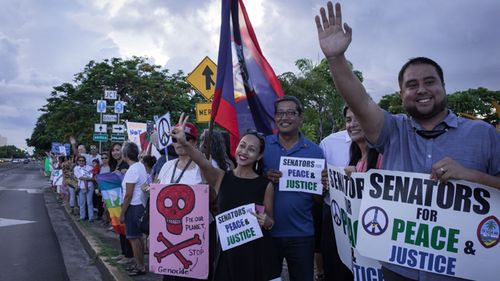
<point x="179" y="222"/>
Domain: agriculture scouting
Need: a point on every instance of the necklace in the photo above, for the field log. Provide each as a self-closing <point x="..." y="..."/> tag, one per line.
<point x="182" y="173"/>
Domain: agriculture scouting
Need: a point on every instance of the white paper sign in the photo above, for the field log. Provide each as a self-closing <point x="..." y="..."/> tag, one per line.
<point x="238" y="226"/>
<point x="449" y="228"/>
<point x="301" y="174"/>
<point x="345" y="199"/>
<point x="163" y="127"/>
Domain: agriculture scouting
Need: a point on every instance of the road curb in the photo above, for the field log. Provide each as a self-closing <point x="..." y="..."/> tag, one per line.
<point x="91" y="245"/>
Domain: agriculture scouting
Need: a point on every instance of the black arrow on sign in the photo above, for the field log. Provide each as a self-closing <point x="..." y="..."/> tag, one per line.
<point x="207" y="72"/>
<point x="100" y="128"/>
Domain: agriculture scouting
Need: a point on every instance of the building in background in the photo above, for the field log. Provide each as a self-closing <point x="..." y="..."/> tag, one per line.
<point x="3" y="140"/>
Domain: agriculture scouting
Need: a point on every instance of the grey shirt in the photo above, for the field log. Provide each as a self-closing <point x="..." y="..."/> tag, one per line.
<point x="473" y="144"/>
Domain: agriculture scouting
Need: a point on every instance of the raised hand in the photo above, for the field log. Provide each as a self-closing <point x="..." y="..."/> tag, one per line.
<point x="333" y="40"/>
<point x="178" y="131"/>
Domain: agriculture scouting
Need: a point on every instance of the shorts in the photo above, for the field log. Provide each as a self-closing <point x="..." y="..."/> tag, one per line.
<point x="132" y="221"/>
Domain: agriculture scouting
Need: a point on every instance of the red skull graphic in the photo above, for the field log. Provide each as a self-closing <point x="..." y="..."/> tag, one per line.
<point x="174" y="202"/>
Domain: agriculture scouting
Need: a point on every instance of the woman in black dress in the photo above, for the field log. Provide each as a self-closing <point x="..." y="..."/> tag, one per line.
<point x="240" y="186"/>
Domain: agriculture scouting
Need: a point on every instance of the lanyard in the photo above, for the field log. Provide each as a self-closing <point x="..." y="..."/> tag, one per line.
<point x="182" y="173"/>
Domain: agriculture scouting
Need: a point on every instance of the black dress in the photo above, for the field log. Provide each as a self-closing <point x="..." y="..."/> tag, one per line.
<point x="249" y="261"/>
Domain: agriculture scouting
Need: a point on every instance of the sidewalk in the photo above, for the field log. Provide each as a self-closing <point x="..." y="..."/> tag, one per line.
<point x="103" y="246"/>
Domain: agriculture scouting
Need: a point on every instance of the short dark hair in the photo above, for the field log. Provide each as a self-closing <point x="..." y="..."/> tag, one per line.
<point x="131" y="151"/>
<point x="298" y="104"/>
<point x="149" y="161"/>
<point x="420" y="60"/>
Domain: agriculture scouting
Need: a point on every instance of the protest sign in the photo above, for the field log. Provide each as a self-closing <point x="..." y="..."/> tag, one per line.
<point x="345" y="198"/>
<point x="179" y="230"/>
<point x="301" y="174"/>
<point x="134" y="130"/>
<point x="57" y="177"/>
<point x="163" y="127"/>
<point x="448" y="228"/>
<point x="238" y="226"/>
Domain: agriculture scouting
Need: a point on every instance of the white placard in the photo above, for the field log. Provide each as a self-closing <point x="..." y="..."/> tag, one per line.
<point x="301" y="174"/>
<point x="100" y="128"/>
<point x="345" y="198"/>
<point x="449" y="228"/>
<point x="238" y="226"/>
<point x="163" y="129"/>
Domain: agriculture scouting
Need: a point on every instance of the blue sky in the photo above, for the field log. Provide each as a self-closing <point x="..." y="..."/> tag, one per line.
<point x="44" y="43"/>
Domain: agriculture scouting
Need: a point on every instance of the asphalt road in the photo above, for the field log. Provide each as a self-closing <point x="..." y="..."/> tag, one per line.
<point x="30" y="248"/>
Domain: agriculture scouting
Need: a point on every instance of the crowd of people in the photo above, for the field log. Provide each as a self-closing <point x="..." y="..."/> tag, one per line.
<point x="297" y="226"/>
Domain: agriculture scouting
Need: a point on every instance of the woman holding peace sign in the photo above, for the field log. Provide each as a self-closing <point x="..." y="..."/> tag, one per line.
<point x="240" y="186"/>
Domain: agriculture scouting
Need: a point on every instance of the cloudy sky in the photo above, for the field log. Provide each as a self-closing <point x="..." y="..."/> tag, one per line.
<point x="44" y="43"/>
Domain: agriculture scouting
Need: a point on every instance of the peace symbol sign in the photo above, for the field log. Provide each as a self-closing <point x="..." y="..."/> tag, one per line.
<point x="163" y="131"/>
<point x="372" y="223"/>
<point x="336" y="213"/>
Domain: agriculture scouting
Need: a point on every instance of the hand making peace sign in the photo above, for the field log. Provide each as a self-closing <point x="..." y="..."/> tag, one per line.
<point x="177" y="132"/>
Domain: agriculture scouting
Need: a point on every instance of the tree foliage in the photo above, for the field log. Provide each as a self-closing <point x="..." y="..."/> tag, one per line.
<point x="472" y="102"/>
<point x="147" y="90"/>
<point x="313" y="85"/>
<point x="10" y="151"/>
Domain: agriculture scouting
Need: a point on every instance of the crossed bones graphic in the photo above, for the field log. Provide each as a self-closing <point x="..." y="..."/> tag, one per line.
<point x="174" y="249"/>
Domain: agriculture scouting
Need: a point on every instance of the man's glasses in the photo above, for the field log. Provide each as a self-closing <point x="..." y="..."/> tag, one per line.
<point x="81" y="160"/>
<point x="281" y="114"/>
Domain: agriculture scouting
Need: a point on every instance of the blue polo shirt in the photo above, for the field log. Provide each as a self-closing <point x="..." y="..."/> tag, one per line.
<point x="292" y="210"/>
<point x="473" y="144"/>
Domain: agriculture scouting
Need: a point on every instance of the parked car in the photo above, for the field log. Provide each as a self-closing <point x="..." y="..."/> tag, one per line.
<point x="26" y="161"/>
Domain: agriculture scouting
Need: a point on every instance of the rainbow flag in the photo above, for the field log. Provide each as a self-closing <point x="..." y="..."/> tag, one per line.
<point x="110" y="185"/>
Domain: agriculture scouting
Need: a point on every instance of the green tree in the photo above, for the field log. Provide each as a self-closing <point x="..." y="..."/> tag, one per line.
<point x="392" y="103"/>
<point x="146" y="89"/>
<point x="313" y="85"/>
<point x="10" y="151"/>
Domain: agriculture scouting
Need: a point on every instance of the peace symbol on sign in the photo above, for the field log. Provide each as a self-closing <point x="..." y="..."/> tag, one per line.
<point x="163" y="131"/>
<point x="372" y="223"/>
<point x="336" y="212"/>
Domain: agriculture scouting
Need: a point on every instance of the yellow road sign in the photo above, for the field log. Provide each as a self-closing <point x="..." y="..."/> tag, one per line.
<point x="203" y="111"/>
<point x="203" y="78"/>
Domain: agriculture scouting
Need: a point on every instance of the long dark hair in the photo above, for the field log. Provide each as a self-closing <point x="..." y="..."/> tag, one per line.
<point x="355" y="152"/>
<point x="112" y="161"/>
<point x="217" y="149"/>
<point x="355" y="156"/>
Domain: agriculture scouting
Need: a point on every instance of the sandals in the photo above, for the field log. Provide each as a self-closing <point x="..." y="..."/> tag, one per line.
<point x="136" y="272"/>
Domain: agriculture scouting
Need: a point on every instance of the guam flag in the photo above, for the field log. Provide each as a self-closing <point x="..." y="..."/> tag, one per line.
<point x="110" y="185"/>
<point x="246" y="86"/>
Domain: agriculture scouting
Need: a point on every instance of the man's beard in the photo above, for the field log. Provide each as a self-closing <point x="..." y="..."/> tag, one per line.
<point x="436" y="109"/>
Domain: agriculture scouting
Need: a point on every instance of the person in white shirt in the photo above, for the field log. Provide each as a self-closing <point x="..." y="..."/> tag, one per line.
<point x="83" y="173"/>
<point x="134" y="203"/>
<point x="336" y="151"/>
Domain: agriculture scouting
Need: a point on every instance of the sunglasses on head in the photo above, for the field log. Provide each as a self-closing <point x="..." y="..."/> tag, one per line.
<point x="432" y="134"/>
<point x="255" y="133"/>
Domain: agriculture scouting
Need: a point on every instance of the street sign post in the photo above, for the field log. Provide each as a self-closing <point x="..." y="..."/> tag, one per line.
<point x="117" y="137"/>
<point x="100" y="137"/>
<point x="118" y="129"/>
<point x="100" y="128"/>
<point x="119" y="106"/>
<point x="203" y="112"/>
<point x="203" y="78"/>
<point x="101" y="106"/>
<point x="110" y="95"/>
<point x="109" y="118"/>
